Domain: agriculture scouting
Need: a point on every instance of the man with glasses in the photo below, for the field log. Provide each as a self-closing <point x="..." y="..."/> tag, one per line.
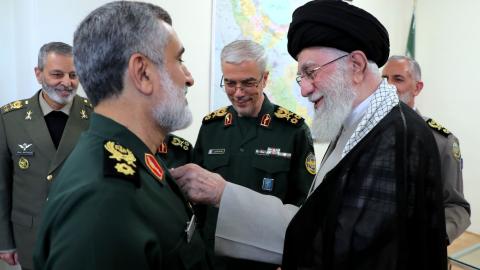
<point x="406" y="75"/>
<point x="376" y="202"/>
<point x="253" y="143"/>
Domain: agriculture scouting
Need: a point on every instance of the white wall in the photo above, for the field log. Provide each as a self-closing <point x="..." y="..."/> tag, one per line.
<point x="447" y="39"/>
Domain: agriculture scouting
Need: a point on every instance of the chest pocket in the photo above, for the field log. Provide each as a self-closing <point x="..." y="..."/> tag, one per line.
<point x="214" y="162"/>
<point x="271" y="165"/>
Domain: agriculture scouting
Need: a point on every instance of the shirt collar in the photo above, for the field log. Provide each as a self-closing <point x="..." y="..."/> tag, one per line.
<point x="46" y="109"/>
<point x="358" y="112"/>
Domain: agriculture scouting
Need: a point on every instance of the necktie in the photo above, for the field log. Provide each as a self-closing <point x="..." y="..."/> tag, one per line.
<point x="56" y="121"/>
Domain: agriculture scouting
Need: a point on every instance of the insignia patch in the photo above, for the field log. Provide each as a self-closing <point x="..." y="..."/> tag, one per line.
<point x="288" y="116"/>
<point x="176" y="141"/>
<point x="120" y="162"/>
<point x="456" y="150"/>
<point x="163" y="149"/>
<point x="28" y="115"/>
<point x="25" y="150"/>
<point x="437" y="127"/>
<point x="23" y="163"/>
<point x="311" y="163"/>
<point x="218" y="114"/>
<point x="228" y="120"/>
<point x="154" y="166"/>
<point x="266" y="120"/>
<point x="12" y="106"/>
<point x="267" y="184"/>
<point x="216" y="151"/>
<point x="83" y="114"/>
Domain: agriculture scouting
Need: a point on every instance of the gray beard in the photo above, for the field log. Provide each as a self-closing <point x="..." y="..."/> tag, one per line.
<point x="52" y="93"/>
<point x="338" y="96"/>
<point x="173" y="113"/>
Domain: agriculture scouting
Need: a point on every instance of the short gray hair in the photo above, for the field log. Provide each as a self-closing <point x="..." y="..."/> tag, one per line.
<point x="52" y="47"/>
<point x="244" y="50"/>
<point x="105" y="40"/>
<point x="414" y="66"/>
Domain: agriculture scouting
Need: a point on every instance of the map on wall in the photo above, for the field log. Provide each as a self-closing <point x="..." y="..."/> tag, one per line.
<point x="265" y="22"/>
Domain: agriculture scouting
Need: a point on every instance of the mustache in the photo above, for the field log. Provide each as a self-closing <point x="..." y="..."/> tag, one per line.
<point x="63" y="88"/>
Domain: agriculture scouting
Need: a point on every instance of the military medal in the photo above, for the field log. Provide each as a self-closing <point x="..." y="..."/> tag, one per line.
<point x="23" y="163"/>
<point x="154" y="166"/>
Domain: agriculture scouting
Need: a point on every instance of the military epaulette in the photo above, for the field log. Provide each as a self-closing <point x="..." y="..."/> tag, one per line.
<point x="119" y="162"/>
<point x="288" y="116"/>
<point x="87" y="103"/>
<point x="180" y="142"/>
<point x="13" y="106"/>
<point x="215" y="115"/>
<point x="437" y="127"/>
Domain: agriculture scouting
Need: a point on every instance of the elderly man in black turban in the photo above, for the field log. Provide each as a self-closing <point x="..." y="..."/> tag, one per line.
<point x="376" y="200"/>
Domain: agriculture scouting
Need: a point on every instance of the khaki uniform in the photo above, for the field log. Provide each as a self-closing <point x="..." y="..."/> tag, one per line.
<point x="457" y="209"/>
<point x="29" y="163"/>
<point x="115" y="206"/>
<point x="271" y="154"/>
<point x="175" y="151"/>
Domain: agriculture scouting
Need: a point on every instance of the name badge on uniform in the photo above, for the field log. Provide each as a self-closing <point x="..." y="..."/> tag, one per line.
<point x="25" y="149"/>
<point x="190" y="230"/>
<point x="216" y="151"/>
<point x="267" y="184"/>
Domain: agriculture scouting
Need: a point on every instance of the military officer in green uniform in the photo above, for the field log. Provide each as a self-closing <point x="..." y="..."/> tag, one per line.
<point x="405" y="74"/>
<point x="253" y="142"/>
<point x="36" y="136"/>
<point x="114" y="205"/>
<point x="175" y="151"/>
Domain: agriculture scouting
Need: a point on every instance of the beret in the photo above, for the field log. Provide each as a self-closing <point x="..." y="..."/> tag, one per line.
<point x="338" y="25"/>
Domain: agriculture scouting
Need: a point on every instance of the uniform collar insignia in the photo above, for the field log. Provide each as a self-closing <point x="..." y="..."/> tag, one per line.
<point x="28" y="115"/>
<point x="266" y="119"/>
<point x="154" y="166"/>
<point x="228" y="119"/>
<point x="163" y="149"/>
<point x="83" y="114"/>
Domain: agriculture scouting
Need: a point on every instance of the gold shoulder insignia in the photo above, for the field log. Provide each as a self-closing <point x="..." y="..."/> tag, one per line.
<point x="87" y="102"/>
<point x="437" y="127"/>
<point x="215" y="115"/>
<point x="13" y="106"/>
<point x="180" y="142"/>
<point x="288" y="116"/>
<point x="120" y="162"/>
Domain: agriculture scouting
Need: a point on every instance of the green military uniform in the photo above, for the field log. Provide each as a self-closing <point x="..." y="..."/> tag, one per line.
<point x="29" y="162"/>
<point x="175" y="151"/>
<point x="457" y="209"/>
<point x="114" y="206"/>
<point x="272" y="154"/>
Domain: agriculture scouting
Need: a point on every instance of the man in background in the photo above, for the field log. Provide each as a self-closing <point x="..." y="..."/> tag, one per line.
<point x="114" y="204"/>
<point x="253" y="142"/>
<point x="405" y="74"/>
<point x="36" y="136"/>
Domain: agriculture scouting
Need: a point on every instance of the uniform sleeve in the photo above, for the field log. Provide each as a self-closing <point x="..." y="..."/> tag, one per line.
<point x="457" y="209"/>
<point x="94" y="233"/>
<point x="241" y="233"/>
<point x="303" y="167"/>
<point x="197" y="154"/>
<point x="6" y="178"/>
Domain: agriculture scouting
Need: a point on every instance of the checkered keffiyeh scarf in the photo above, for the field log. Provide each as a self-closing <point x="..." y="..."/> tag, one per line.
<point x="381" y="103"/>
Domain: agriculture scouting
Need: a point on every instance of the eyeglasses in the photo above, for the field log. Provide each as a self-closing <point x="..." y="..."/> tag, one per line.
<point x="311" y="74"/>
<point x="245" y="85"/>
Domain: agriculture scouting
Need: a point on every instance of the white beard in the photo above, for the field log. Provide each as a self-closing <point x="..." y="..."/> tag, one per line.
<point x="51" y="91"/>
<point x="173" y="112"/>
<point x="338" y="96"/>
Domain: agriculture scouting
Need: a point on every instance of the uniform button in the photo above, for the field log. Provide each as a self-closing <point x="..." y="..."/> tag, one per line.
<point x="242" y="150"/>
<point x="49" y="177"/>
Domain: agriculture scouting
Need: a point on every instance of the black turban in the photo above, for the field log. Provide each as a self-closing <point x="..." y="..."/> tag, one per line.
<point x="338" y="25"/>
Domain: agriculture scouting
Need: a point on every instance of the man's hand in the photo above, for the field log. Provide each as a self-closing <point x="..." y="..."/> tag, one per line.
<point x="198" y="184"/>
<point x="10" y="258"/>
